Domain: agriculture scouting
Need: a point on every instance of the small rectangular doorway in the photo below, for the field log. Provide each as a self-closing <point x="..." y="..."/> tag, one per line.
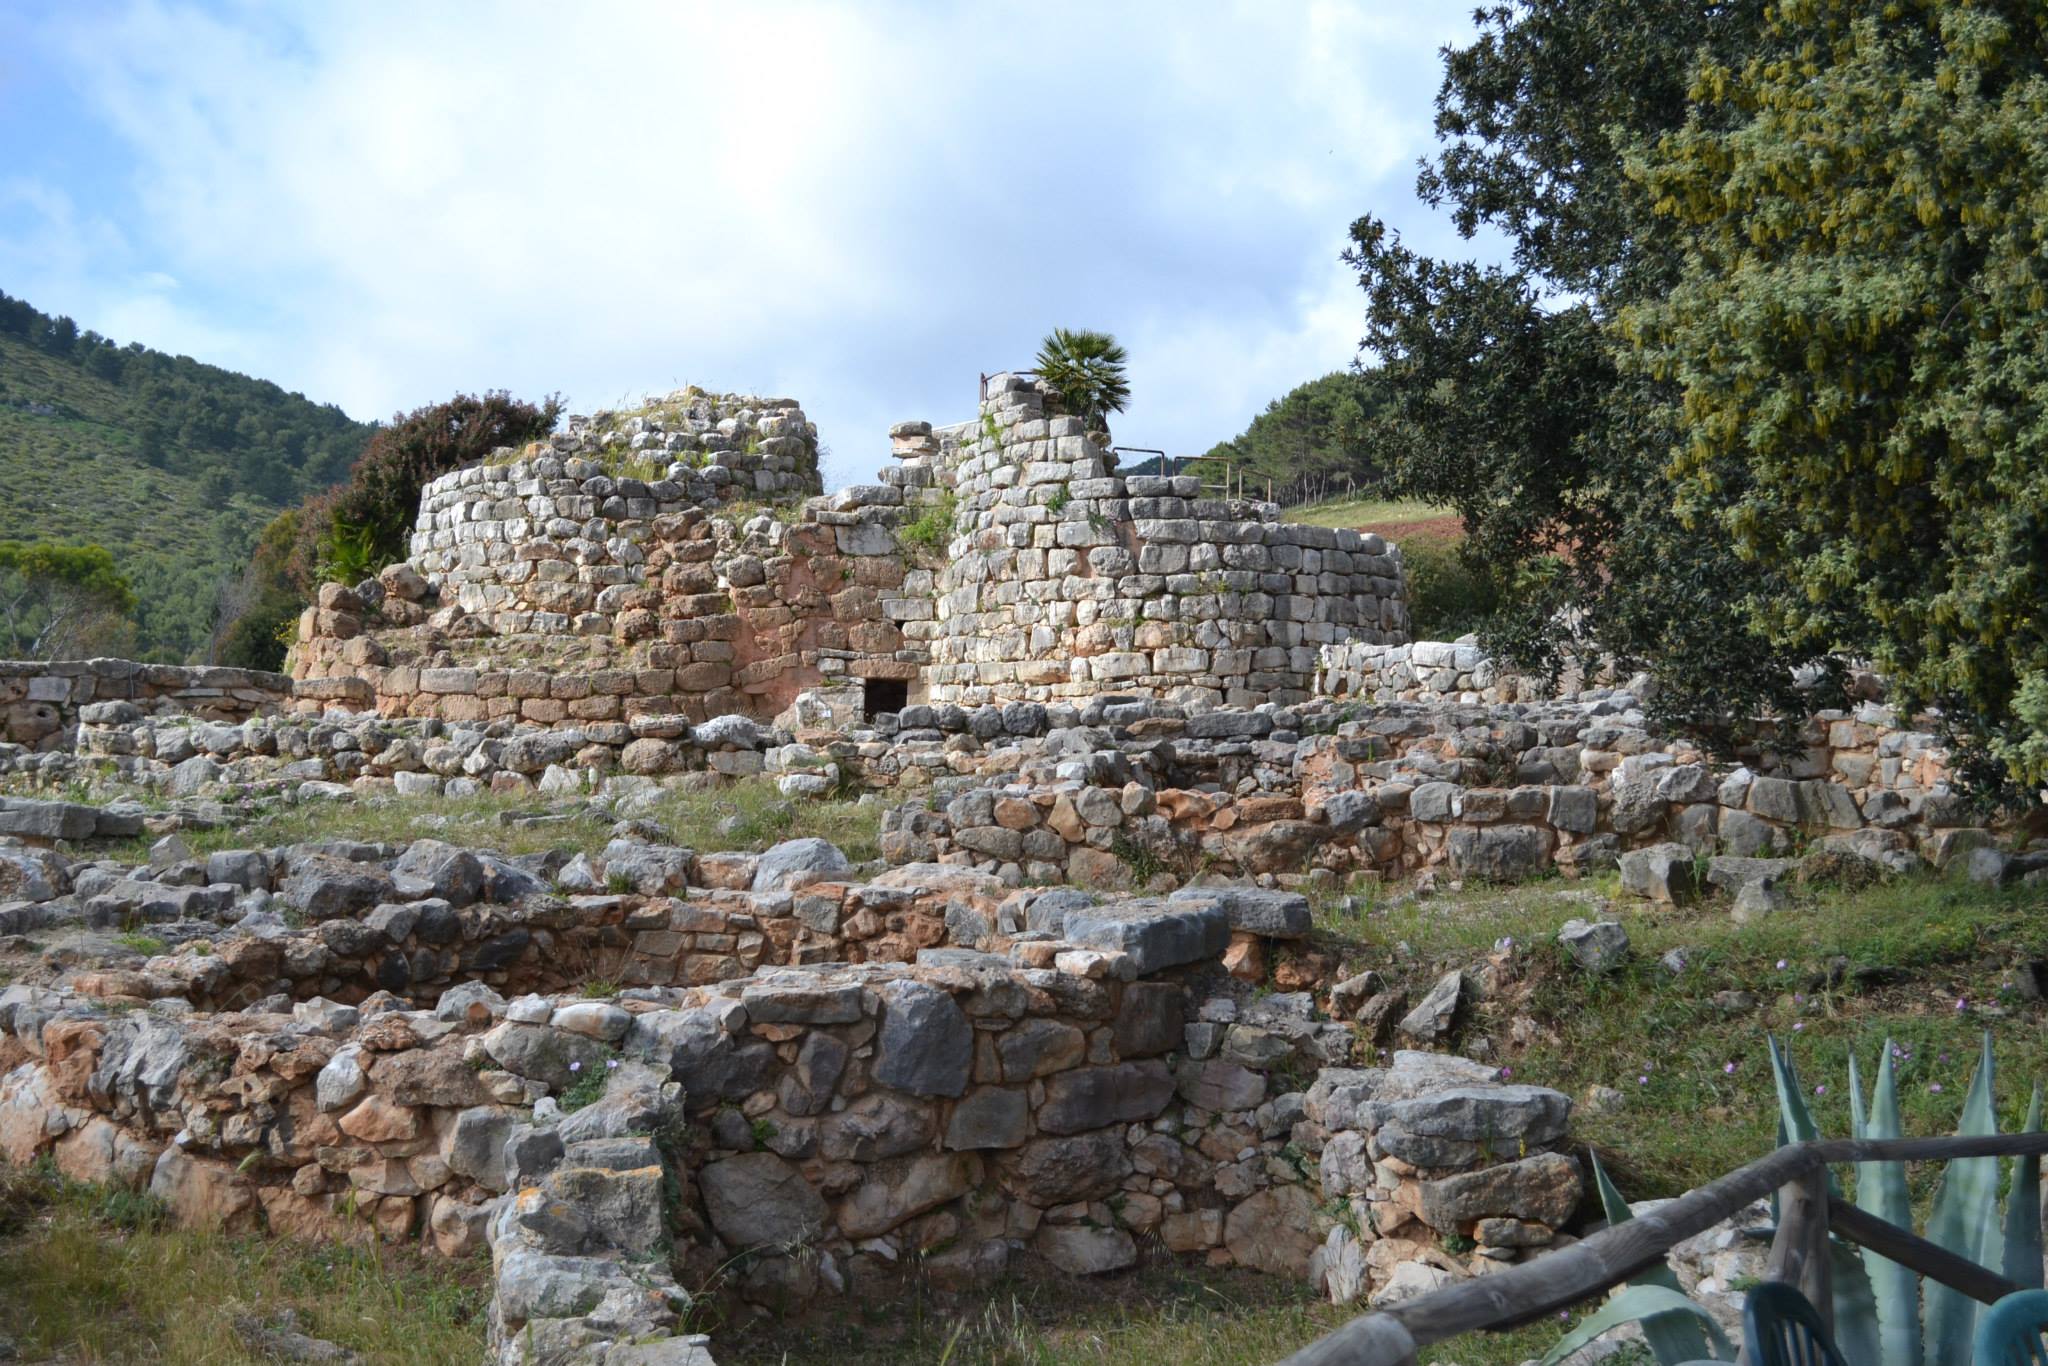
<point x="880" y="695"/>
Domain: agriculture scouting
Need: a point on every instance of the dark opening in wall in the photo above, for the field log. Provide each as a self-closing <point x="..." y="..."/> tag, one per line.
<point x="883" y="694"/>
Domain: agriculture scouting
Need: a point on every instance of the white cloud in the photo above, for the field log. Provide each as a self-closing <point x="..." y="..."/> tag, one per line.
<point x="861" y="206"/>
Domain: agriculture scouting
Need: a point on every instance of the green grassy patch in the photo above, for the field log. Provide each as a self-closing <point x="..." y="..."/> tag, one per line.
<point x="92" y="1275"/>
<point x="1364" y="513"/>
<point x="1163" y="1312"/>
<point x="1841" y="972"/>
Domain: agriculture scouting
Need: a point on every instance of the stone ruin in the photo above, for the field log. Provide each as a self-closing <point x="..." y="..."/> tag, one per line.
<point x="1075" y="1014"/>
<point x="391" y="1039"/>
<point x="661" y="564"/>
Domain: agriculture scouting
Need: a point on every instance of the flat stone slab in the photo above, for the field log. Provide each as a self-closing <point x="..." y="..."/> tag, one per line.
<point x="1255" y="910"/>
<point x="1157" y="934"/>
<point x="34" y="819"/>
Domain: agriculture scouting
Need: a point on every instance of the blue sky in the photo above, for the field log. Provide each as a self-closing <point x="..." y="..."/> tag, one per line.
<point x="862" y="206"/>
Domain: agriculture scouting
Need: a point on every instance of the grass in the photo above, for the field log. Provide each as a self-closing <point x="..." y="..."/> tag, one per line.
<point x="97" y="1277"/>
<point x="759" y="816"/>
<point x="1365" y="513"/>
<point x="1841" y="972"/>
<point x="1190" y="1316"/>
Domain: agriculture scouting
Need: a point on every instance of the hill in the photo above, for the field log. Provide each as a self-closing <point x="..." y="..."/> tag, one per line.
<point x="1312" y="443"/>
<point x="173" y="465"/>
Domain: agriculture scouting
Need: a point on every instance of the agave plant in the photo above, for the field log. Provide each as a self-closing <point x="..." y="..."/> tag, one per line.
<point x="1882" y="1314"/>
<point x="1087" y="370"/>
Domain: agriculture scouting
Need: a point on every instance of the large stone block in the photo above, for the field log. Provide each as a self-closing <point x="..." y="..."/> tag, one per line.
<point x="1256" y="910"/>
<point x="1543" y="1189"/>
<point x="760" y="1200"/>
<point x="1090" y="1097"/>
<point x="925" y="1045"/>
<point x="1156" y="934"/>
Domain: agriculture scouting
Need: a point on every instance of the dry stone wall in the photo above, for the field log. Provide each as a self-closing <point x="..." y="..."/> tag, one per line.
<point x="1066" y="579"/>
<point x="40" y="701"/>
<point x="1061" y="1094"/>
<point x="633" y="545"/>
<point x="533" y="544"/>
<point x="701" y="590"/>
<point x="1139" y="791"/>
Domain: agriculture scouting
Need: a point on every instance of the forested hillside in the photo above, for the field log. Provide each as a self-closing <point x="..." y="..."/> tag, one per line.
<point x="1313" y="442"/>
<point x="174" y="466"/>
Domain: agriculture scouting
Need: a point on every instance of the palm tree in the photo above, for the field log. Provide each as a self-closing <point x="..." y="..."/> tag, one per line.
<point x="1086" y="369"/>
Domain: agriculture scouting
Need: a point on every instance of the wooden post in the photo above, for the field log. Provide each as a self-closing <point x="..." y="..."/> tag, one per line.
<point x="1799" y="1254"/>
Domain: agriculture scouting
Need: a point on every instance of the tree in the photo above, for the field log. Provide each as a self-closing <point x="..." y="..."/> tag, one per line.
<point x="61" y="601"/>
<point x="1312" y="441"/>
<point x="258" y="607"/>
<point x="1858" y="341"/>
<point x="1086" y="369"/>
<point x="1505" y="395"/>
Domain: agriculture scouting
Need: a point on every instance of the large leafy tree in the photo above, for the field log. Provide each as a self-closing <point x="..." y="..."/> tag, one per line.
<point x="62" y="601"/>
<point x="1506" y="396"/>
<point x="1859" y="342"/>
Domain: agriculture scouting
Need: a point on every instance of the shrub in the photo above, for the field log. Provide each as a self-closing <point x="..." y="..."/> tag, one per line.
<point x="258" y="611"/>
<point x="928" y="535"/>
<point x="61" y="601"/>
<point x="1087" y="370"/>
<point x="352" y="531"/>
<point x="1446" y="596"/>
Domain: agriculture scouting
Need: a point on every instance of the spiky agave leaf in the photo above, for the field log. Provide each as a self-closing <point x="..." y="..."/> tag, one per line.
<point x="1857" y="1326"/>
<point x="2022" y="1263"/>
<point x="1964" y="1221"/>
<point x="1881" y="1191"/>
<point x="1639" y="1302"/>
<point x="1858" y="1331"/>
<point x="1795" y="1121"/>
<point x="1673" y="1337"/>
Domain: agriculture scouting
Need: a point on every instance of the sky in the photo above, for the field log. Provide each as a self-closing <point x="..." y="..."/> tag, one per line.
<point x="862" y="206"/>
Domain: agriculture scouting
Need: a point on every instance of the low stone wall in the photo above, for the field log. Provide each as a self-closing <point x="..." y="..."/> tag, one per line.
<point x="1501" y="792"/>
<point x="40" y="700"/>
<point x="350" y="922"/>
<point x="1122" y="791"/>
<point x="368" y="755"/>
<point x="842" y="1120"/>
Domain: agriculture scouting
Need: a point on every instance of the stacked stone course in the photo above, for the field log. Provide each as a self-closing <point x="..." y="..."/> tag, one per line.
<point x="1068" y="579"/>
<point x="40" y="700"/>
<point x="1083" y="1080"/>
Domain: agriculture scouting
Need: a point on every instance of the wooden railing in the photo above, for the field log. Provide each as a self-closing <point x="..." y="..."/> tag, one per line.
<point x="1798" y="1172"/>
